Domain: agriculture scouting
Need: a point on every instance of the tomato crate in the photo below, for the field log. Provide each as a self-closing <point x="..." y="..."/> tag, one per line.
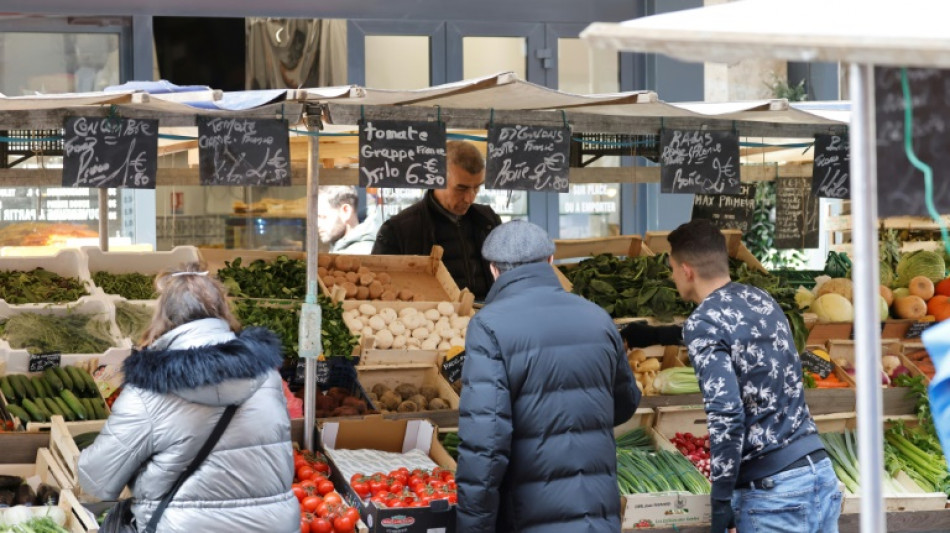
<point x="418" y="439"/>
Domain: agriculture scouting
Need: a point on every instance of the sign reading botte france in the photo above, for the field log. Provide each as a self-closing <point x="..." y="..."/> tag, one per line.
<point x="700" y="162"/>
<point x="402" y="154"/>
<point x="109" y="152"/>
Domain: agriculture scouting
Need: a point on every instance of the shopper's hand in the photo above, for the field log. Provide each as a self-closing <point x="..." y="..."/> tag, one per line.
<point x="723" y="517"/>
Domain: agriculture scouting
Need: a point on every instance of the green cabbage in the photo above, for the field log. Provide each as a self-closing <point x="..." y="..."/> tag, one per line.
<point x="887" y="274"/>
<point x="920" y="263"/>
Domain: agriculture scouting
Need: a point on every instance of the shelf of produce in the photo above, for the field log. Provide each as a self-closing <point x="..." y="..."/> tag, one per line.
<point x="145" y="263"/>
<point x="897" y="522"/>
<point x="214" y="258"/>
<point x="820" y="401"/>
<point x="68" y="263"/>
<point x="657" y="242"/>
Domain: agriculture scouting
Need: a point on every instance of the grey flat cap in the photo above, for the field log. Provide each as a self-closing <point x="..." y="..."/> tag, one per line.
<point x="518" y="241"/>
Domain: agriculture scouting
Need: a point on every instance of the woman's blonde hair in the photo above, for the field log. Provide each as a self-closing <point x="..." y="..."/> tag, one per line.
<point x="187" y="294"/>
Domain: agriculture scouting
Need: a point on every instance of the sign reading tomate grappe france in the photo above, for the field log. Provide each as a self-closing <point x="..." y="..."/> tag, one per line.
<point x="109" y="152"/>
<point x="242" y="151"/>
<point x="528" y="158"/>
<point x="402" y="154"/>
<point x="700" y="162"/>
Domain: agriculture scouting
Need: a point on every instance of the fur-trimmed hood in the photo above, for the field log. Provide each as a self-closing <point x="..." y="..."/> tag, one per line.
<point x="204" y="362"/>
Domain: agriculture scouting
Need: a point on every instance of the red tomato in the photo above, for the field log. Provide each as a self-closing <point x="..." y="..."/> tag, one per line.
<point x="321" y="525"/>
<point x="361" y="489"/>
<point x="357" y="477"/>
<point x="353" y="514"/>
<point x="305" y="472"/>
<point x="447" y="476"/>
<point x="323" y="509"/>
<point x="332" y="498"/>
<point x="395" y="502"/>
<point x="310" y="503"/>
<point x="436" y="484"/>
<point x="299" y="461"/>
<point x="453" y="497"/>
<point x="396" y="486"/>
<point x="298" y="491"/>
<point x="304" y="525"/>
<point x="308" y="486"/>
<point x="342" y="524"/>
<point x="376" y="485"/>
<point x="321" y="467"/>
<point x="418" y="503"/>
<point x="325" y="487"/>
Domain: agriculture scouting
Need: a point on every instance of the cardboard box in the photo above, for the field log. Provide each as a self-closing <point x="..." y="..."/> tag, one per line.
<point x="398" y="436"/>
<point x="844" y="349"/>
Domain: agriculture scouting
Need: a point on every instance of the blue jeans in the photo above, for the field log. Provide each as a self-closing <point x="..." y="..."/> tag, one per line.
<point x="800" y="500"/>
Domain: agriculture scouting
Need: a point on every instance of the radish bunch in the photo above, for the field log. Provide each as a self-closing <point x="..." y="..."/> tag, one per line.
<point x="696" y="449"/>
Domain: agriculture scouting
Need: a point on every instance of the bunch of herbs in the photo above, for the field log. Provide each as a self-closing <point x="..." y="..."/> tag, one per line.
<point x="39" y="286"/>
<point x="281" y="278"/>
<point x="131" y="286"/>
<point x="69" y="333"/>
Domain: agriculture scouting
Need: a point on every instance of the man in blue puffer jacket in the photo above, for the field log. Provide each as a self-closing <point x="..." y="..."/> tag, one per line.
<point x="545" y="381"/>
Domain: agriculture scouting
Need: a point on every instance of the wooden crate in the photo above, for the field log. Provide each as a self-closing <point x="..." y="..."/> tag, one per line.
<point x="643" y="417"/>
<point x="418" y="375"/>
<point x="47" y="470"/>
<point x="909" y="347"/>
<point x="425" y="275"/>
<point x="372" y="356"/>
<point x="66" y="454"/>
<point x="669" y="357"/>
<point x="658" y="243"/>
<point x="845" y="349"/>
<point x="619" y="245"/>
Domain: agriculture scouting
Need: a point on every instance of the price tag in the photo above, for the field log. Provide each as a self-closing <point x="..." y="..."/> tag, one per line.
<point x="41" y="361"/>
<point x="109" y="152"/>
<point x="813" y="362"/>
<point x="915" y="329"/>
<point x="452" y="369"/>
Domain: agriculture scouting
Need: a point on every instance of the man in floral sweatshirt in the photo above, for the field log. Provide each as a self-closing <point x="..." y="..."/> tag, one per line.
<point x="769" y="471"/>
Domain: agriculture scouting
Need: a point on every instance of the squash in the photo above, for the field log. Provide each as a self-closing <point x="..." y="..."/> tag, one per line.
<point x="921" y="286"/>
<point x="842" y="286"/>
<point x="888" y="295"/>
<point x="912" y="307"/>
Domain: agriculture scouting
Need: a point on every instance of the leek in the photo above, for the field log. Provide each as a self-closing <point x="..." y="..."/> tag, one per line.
<point x="677" y="380"/>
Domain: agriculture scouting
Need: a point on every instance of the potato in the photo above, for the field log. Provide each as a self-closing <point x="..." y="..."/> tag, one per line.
<point x="375" y="289"/>
<point x="377" y="323"/>
<point x="322" y="272"/>
<point x="352" y="278"/>
<point x="429" y="325"/>
<point x="442" y="323"/>
<point x="429" y="344"/>
<point x="429" y="392"/>
<point x="390" y="400"/>
<point x="459" y="323"/>
<point x="405" y="295"/>
<point x="351" y="313"/>
<point x="449" y="333"/>
<point x="388" y="315"/>
<point x="366" y="279"/>
<point x="379" y="389"/>
<point x="412" y="321"/>
<point x="407" y="311"/>
<point x="367" y="310"/>
<point x="343" y="263"/>
<point x="350" y="289"/>
<point x="367" y="331"/>
<point x="419" y="400"/>
<point x="420" y="333"/>
<point x="438" y="403"/>
<point x="432" y="314"/>
<point x="384" y="339"/>
<point x="397" y="327"/>
<point x="388" y="296"/>
<point x="406" y="390"/>
<point x="355" y="324"/>
<point x="407" y="407"/>
<point x="446" y="309"/>
<point x="433" y="338"/>
<point x="399" y="342"/>
<point x="384" y="277"/>
<point x="363" y="270"/>
<point x="457" y="341"/>
<point x="444" y="345"/>
<point x="362" y="293"/>
<point x="324" y="261"/>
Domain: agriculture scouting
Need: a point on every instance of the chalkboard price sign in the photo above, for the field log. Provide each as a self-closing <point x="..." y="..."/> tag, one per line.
<point x="41" y="361"/>
<point x="796" y="214"/>
<point x="241" y="151"/>
<point x="900" y="186"/>
<point x="727" y="211"/>
<point x="812" y="362"/>
<point x="397" y="154"/>
<point x="831" y="170"/>
<point x="109" y="152"/>
<point x="528" y="158"/>
<point x="701" y="162"/>
<point x="452" y="369"/>
<point x="915" y="329"/>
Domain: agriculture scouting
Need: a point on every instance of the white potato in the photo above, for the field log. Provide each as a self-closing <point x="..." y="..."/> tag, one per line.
<point x="446" y="309"/>
<point x="355" y="324"/>
<point x="462" y="323"/>
<point x="377" y="323"/>
<point x="433" y="339"/>
<point x="399" y="342"/>
<point x="429" y="344"/>
<point x="408" y="311"/>
<point x="388" y="314"/>
<point x="420" y="333"/>
<point x="444" y="345"/>
<point x="351" y="313"/>
<point x="384" y="339"/>
<point x="442" y="323"/>
<point x="412" y="343"/>
<point x="457" y="341"/>
<point x="397" y="327"/>
<point x="432" y="314"/>
<point x="448" y="333"/>
<point x="367" y="331"/>
<point x="367" y="309"/>
<point x="430" y="325"/>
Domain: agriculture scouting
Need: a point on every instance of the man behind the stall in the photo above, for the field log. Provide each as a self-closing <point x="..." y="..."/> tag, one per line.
<point x="770" y="471"/>
<point x="545" y="381"/>
<point x="450" y="218"/>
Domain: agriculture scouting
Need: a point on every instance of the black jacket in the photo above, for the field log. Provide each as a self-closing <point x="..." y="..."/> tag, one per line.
<point x="545" y="381"/>
<point x="414" y="231"/>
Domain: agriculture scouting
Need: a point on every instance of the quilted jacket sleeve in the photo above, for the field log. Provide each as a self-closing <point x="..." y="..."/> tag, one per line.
<point x="484" y="430"/>
<point x="626" y="392"/>
<point x="123" y="445"/>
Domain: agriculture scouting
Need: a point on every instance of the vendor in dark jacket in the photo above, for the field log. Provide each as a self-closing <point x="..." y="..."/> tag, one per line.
<point x="770" y="471"/>
<point x="450" y="218"/>
<point x="545" y="381"/>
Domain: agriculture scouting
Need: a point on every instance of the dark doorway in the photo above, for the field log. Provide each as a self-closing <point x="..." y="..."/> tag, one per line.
<point x="201" y="51"/>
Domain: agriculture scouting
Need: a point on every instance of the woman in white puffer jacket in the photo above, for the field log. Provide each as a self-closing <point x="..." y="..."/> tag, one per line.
<point x="197" y="362"/>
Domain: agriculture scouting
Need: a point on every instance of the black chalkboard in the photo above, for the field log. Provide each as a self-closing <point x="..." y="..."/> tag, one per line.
<point x="110" y="152"/>
<point x="242" y="151"/>
<point x="796" y="214"/>
<point x="398" y="154"/>
<point x="900" y="186"/>
<point x="812" y="362"/>
<point x="727" y="211"/>
<point x="915" y="329"/>
<point x="452" y="369"/>
<point x="41" y="361"/>
<point x="831" y="170"/>
<point x="528" y="158"/>
<point x="702" y="162"/>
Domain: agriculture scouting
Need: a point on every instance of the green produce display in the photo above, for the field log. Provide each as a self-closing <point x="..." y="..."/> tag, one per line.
<point x="642" y="470"/>
<point x="337" y="338"/>
<point x="39" y="286"/>
<point x="920" y="263"/>
<point x="676" y="380"/>
<point x="450" y="441"/>
<point x="132" y="286"/>
<point x="66" y="391"/>
<point x="281" y="278"/>
<point x="641" y="287"/>
<point x="70" y="333"/>
<point x="132" y="319"/>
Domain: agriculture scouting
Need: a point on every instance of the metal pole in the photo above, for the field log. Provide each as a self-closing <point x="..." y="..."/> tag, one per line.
<point x="104" y="219"/>
<point x="312" y="241"/>
<point x="866" y="278"/>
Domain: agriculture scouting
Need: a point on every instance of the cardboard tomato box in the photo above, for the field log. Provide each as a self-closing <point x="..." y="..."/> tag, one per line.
<point x="396" y="436"/>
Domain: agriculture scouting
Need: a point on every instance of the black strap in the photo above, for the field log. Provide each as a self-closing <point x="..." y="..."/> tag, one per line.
<point x="195" y="464"/>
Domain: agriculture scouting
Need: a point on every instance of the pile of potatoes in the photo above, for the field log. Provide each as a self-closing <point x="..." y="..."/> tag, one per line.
<point x="439" y="328"/>
<point x="359" y="282"/>
<point x="407" y="398"/>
